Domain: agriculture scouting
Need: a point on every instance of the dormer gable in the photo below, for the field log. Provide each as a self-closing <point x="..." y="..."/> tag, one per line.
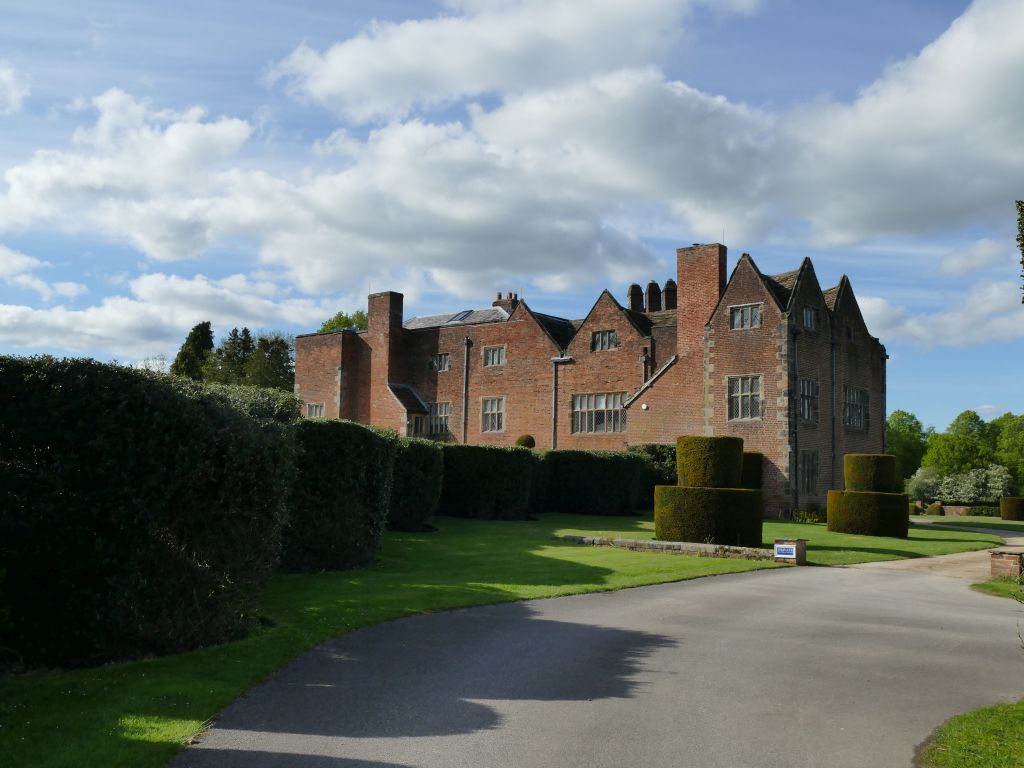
<point x="607" y="315"/>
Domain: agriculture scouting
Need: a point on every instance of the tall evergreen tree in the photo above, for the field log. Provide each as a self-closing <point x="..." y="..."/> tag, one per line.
<point x="270" y="364"/>
<point x="195" y="352"/>
<point x="227" y="365"/>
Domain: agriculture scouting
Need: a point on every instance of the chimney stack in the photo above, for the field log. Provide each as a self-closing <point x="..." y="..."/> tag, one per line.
<point x="635" y="298"/>
<point x="509" y="303"/>
<point x="653" y="297"/>
<point x="668" y="294"/>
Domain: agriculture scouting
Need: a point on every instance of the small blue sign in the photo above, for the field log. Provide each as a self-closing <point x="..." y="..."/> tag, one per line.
<point x="786" y="550"/>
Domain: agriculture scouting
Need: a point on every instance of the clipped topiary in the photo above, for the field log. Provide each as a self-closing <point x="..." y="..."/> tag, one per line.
<point x="870" y="472"/>
<point x="709" y="462"/>
<point x="526" y="441"/>
<point x="869" y="514"/>
<point x="753" y="470"/>
<point x="1011" y="508"/>
<point x="729" y="516"/>
<point x="935" y="508"/>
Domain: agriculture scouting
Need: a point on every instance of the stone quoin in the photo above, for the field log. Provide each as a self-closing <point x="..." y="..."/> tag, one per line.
<point x="776" y="360"/>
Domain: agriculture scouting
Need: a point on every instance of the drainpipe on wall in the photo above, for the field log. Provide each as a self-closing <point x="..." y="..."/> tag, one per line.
<point x="795" y="416"/>
<point x="467" y="342"/>
<point x="554" y="396"/>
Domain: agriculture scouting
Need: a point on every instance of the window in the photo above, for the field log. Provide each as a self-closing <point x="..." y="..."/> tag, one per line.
<point x="494" y="356"/>
<point x="810" y="318"/>
<point x="441" y="362"/>
<point x="744" y="397"/>
<point x="855" y="408"/>
<point x="807" y="402"/>
<point x="604" y="340"/>
<point x="493" y="414"/>
<point x="419" y="425"/>
<point x="315" y="410"/>
<point x="599" y="413"/>
<point x="809" y="473"/>
<point x="437" y="418"/>
<point x="745" y="316"/>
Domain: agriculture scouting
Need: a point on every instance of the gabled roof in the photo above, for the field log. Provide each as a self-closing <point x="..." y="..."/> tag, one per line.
<point x="409" y="398"/>
<point x="830" y="295"/>
<point x="465" y="317"/>
<point x="558" y="328"/>
<point x="782" y="285"/>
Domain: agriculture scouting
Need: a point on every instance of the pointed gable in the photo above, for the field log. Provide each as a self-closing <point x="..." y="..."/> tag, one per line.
<point x="557" y="329"/>
<point x="607" y="315"/>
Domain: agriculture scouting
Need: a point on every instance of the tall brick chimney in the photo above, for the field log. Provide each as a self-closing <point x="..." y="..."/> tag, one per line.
<point x="701" y="282"/>
<point x="635" y="298"/>
<point x="384" y="336"/>
<point x="653" y="297"/>
<point x="668" y="294"/>
<point x="509" y="303"/>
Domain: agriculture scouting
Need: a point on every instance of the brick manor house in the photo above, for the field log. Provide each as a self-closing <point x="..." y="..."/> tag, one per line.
<point x="775" y="360"/>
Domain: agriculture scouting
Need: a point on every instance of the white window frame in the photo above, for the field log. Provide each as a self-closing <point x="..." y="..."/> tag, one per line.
<point x="810" y="318"/>
<point x="604" y="341"/>
<point x="492" y="414"/>
<point x="807" y="400"/>
<point x="744" y="317"/>
<point x="808" y="471"/>
<point x="492" y="352"/>
<point x="856" y="408"/>
<point x="754" y="400"/>
<point x="315" y="410"/>
<point x="442" y="361"/>
<point x="438" y="415"/>
<point x="599" y="413"/>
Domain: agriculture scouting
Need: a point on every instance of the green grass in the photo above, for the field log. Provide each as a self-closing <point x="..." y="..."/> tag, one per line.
<point x="972" y="521"/>
<point x="1001" y="587"/>
<point x="823" y="546"/>
<point x="992" y="737"/>
<point x="138" y="714"/>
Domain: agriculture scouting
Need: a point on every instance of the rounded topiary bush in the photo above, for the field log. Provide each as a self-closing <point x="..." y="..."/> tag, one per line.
<point x="526" y="441"/>
<point x="868" y="514"/>
<point x="753" y="469"/>
<point x="1011" y="508"/>
<point x="875" y="472"/>
<point x="709" y="462"/>
<point x="935" y="508"/>
<point x="728" y="516"/>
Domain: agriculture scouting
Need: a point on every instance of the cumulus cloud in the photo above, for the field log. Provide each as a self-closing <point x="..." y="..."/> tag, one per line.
<point x="17" y="269"/>
<point x="987" y="312"/>
<point x="975" y="257"/>
<point x="14" y="88"/>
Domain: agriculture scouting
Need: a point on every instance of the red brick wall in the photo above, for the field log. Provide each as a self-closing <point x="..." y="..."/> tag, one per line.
<point x="317" y="362"/>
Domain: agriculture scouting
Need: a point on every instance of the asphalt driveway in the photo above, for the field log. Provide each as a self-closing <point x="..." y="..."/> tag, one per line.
<point x="797" y="667"/>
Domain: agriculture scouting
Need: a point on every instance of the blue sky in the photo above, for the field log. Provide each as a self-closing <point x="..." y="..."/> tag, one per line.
<point x="266" y="164"/>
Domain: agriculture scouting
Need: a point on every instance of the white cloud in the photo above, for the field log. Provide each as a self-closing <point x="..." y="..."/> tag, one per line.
<point x="14" y="89"/>
<point x="16" y="269"/>
<point x="975" y="257"/>
<point x="987" y="312"/>
<point x="486" y="46"/>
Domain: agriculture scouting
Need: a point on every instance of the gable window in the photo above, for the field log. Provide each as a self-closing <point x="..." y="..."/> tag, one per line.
<point x="441" y="362"/>
<point x="494" y="356"/>
<point x="809" y="473"/>
<point x="437" y="418"/>
<point x="604" y="340"/>
<point x="599" y="412"/>
<point x="315" y="410"/>
<point x="744" y="397"/>
<point x="807" y="403"/>
<point x="855" y="408"/>
<point x="745" y="316"/>
<point x="493" y="414"/>
<point x="810" y="318"/>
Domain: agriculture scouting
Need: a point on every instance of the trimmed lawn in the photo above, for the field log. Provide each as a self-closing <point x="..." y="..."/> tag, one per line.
<point x="823" y="546"/>
<point x="971" y="521"/>
<point x="1004" y="587"/>
<point x="992" y="737"/>
<point x="138" y="714"/>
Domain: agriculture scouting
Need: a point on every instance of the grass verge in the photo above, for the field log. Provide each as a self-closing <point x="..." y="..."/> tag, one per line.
<point x="1002" y="587"/>
<point x="824" y="547"/>
<point x="992" y="737"/>
<point x="972" y="521"/>
<point x="138" y="714"/>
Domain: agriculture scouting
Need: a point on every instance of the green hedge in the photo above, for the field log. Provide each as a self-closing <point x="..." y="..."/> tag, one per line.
<point x="659" y="469"/>
<point x="709" y="462"/>
<point x="1011" y="508"/>
<point x="486" y="481"/>
<point x="588" y="482"/>
<point x="868" y="513"/>
<point x="873" y="472"/>
<point x="134" y="520"/>
<point x="416" y="489"/>
<point x="341" y="496"/>
<point x="983" y="510"/>
<point x="730" y="516"/>
<point x="935" y="508"/>
<point x="257" y="402"/>
<point x="753" y="470"/>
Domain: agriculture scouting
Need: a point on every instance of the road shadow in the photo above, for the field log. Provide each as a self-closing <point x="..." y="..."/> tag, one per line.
<point x="234" y="758"/>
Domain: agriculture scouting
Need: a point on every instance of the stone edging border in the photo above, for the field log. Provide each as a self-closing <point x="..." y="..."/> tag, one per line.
<point x="675" y="547"/>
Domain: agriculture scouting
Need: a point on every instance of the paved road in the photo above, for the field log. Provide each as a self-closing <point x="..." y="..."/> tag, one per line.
<point x="798" y="667"/>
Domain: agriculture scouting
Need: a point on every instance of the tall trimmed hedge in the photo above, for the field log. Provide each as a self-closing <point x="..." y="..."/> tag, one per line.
<point x="341" y="495"/>
<point x="729" y="516"/>
<point x="134" y="519"/>
<point x="416" y="489"/>
<point x="588" y="482"/>
<point x="709" y="462"/>
<point x="257" y="402"/>
<point x="868" y="513"/>
<point x="753" y="470"/>
<point x="1011" y="508"/>
<point x="870" y="472"/>
<point x="659" y="469"/>
<point x="486" y="481"/>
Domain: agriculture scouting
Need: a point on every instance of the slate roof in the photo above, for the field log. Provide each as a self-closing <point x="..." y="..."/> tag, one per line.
<point x="831" y="295"/>
<point x="782" y="285"/>
<point x="560" y="329"/>
<point x="408" y="398"/>
<point x="466" y="317"/>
